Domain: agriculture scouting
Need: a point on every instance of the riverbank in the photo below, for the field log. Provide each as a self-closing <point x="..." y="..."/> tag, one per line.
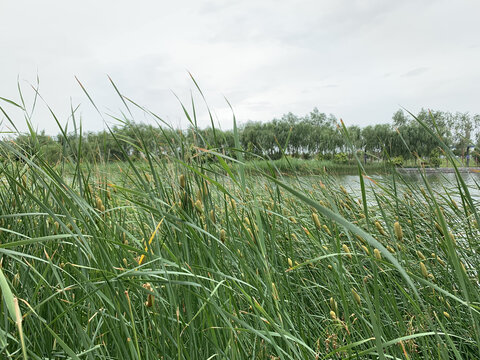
<point x="439" y="170"/>
<point x="312" y="167"/>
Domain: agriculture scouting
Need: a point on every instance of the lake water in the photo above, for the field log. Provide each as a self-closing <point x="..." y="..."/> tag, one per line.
<point x="438" y="182"/>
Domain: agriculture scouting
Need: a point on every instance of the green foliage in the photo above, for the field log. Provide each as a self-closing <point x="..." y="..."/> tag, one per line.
<point x="435" y="160"/>
<point x="341" y="158"/>
<point x="397" y="161"/>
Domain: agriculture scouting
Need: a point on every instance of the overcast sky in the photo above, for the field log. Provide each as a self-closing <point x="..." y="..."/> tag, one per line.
<point x="359" y="60"/>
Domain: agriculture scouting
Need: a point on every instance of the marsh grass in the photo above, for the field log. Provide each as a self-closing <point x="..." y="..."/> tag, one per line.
<point x="180" y="258"/>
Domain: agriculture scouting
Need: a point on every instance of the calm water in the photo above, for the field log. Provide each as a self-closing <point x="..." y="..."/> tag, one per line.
<point x="439" y="182"/>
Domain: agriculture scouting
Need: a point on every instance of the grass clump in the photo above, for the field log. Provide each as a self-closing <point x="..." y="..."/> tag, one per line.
<point x="180" y="258"/>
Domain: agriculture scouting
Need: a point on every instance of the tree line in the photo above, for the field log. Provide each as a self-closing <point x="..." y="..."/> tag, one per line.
<point x="315" y="135"/>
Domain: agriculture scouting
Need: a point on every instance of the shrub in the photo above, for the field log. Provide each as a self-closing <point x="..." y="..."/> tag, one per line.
<point x="397" y="161"/>
<point x="435" y="160"/>
<point x="340" y="158"/>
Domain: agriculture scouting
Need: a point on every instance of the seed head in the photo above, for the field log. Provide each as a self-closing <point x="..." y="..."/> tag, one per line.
<point x="424" y="269"/>
<point x="420" y="255"/>
<point x="380" y="228"/>
<point x="365" y="249"/>
<point x="389" y="248"/>
<point x="326" y="229"/>
<point x="398" y="231"/>
<point x="199" y="206"/>
<point x="377" y="254"/>
<point x="356" y="297"/>
<point x="347" y="250"/>
<point x="316" y="220"/>
<point x="333" y="304"/>
<point x="98" y="202"/>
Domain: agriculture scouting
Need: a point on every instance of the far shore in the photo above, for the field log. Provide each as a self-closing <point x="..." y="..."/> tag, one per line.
<point x="440" y="170"/>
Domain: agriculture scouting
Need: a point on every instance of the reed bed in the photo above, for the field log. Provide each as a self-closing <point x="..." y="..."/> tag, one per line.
<point x="179" y="257"/>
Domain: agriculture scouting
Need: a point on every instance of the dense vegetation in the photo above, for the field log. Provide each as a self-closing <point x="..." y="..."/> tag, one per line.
<point x="178" y="257"/>
<point x="314" y="136"/>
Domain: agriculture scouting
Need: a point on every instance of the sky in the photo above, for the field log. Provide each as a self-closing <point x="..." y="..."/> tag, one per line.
<point x="359" y="60"/>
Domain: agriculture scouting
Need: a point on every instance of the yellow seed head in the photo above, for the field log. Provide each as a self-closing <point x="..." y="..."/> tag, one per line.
<point x="423" y="191"/>
<point x="361" y="239"/>
<point x="326" y="229"/>
<point x="356" y="297"/>
<point x="424" y="269"/>
<point x="98" y="202"/>
<point x="398" y="230"/>
<point x="453" y="238"/>
<point x="199" y="206"/>
<point x="181" y="180"/>
<point x="454" y="203"/>
<point x="440" y="261"/>
<point x="333" y="304"/>
<point x="212" y="216"/>
<point x="223" y="235"/>
<point x="290" y="263"/>
<point x="439" y="228"/>
<point x="379" y="228"/>
<point x="420" y="255"/>
<point x="347" y="250"/>
<point x="389" y="248"/>
<point x="446" y="314"/>
<point x="333" y="315"/>
<point x="377" y="254"/>
<point x="365" y="249"/>
<point x="316" y="220"/>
